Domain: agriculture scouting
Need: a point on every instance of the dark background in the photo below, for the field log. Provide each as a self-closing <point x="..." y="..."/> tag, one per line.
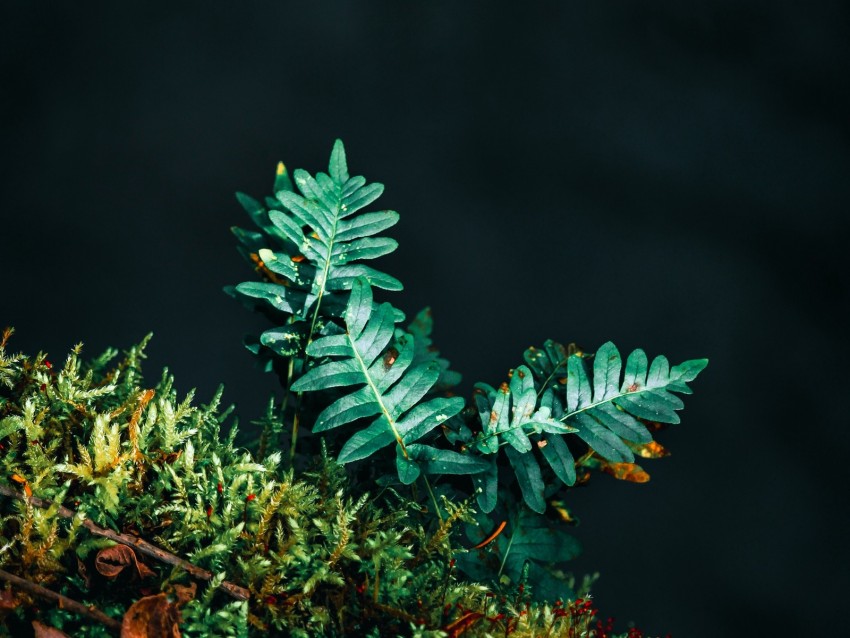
<point x="668" y="175"/>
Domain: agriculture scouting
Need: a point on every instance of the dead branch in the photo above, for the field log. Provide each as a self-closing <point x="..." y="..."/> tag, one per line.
<point x="143" y="546"/>
<point x="62" y="601"/>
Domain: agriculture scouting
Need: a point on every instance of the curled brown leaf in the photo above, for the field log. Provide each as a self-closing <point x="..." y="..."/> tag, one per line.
<point x="111" y="561"/>
<point x="626" y="472"/>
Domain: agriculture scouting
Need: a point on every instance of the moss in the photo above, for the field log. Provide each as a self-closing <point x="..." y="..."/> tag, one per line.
<point x="91" y="454"/>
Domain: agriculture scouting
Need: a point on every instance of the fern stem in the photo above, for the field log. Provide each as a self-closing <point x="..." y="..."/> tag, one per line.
<point x="564" y="418"/>
<point x="289" y="374"/>
<point x="379" y="399"/>
<point x="545" y="385"/>
<point x="433" y="498"/>
<point x="507" y="551"/>
<point x="313" y="323"/>
<point x="326" y="269"/>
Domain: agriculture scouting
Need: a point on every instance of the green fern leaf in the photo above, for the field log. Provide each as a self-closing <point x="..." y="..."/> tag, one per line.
<point x="486" y="485"/>
<point x="392" y="385"/>
<point x="529" y="477"/>
<point x="511" y="414"/>
<point x="439" y="461"/>
<point x="606" y="411"/>
<point x="310" y="249"/>
<point x="549" y="364"/>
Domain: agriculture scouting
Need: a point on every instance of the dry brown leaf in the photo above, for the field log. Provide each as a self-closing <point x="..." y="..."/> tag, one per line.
<point x="43" y="631"/>
<point x="626" y="472"/>
<point x="111" y="561"/>
<point x="151" y="617"/>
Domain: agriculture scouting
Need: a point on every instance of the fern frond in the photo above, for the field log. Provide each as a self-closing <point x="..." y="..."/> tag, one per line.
<point x="549" y="363"/>
<point x="605" y="407"/>
<point x="510" y="415"/>
<point x="318" y="241"/>
<point x="369" y="355"/>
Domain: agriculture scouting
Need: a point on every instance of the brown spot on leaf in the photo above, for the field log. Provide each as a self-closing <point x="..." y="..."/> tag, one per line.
<point x="505" y="388"/>
<point x="653" y="426"/>
<point x="632" y="388"/>
<point x="151" y="617"/>
<point x="298" y="258"/>
<point x="261" y="268"/>
<point x="169" y="458"/>
<point x="389" y="357"/>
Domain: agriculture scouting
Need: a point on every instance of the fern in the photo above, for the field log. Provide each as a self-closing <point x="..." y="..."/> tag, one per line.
<point x="98" y="452"/>
<point x="606" y="413"/>
<point x="514" y="413"/>
<point x="311" y="248"/>
<point x="562" y="413"/>
<point x="604" y="409"/>
<point x="370" y="355"/>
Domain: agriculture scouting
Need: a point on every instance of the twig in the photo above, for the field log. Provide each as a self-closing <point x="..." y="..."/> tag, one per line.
<point x="62" y="601"/>
<point x="237" y="592"/>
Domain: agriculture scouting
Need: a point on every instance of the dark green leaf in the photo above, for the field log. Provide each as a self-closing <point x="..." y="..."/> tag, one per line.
<point x="366" y="442"/>
<point x="286" y="341"/>
<point x="557" y="454"/>
<point x="529" y="478"/>
<point x="487" y="484"/>
<point x="408" y="468"/>
<point x="437" y="461"/>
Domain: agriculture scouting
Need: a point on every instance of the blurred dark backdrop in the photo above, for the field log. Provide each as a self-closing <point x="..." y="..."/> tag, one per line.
<point x="668" y="175"/>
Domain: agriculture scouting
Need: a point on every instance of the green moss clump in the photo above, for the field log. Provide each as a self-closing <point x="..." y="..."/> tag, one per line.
<point x="220" y="541"/>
